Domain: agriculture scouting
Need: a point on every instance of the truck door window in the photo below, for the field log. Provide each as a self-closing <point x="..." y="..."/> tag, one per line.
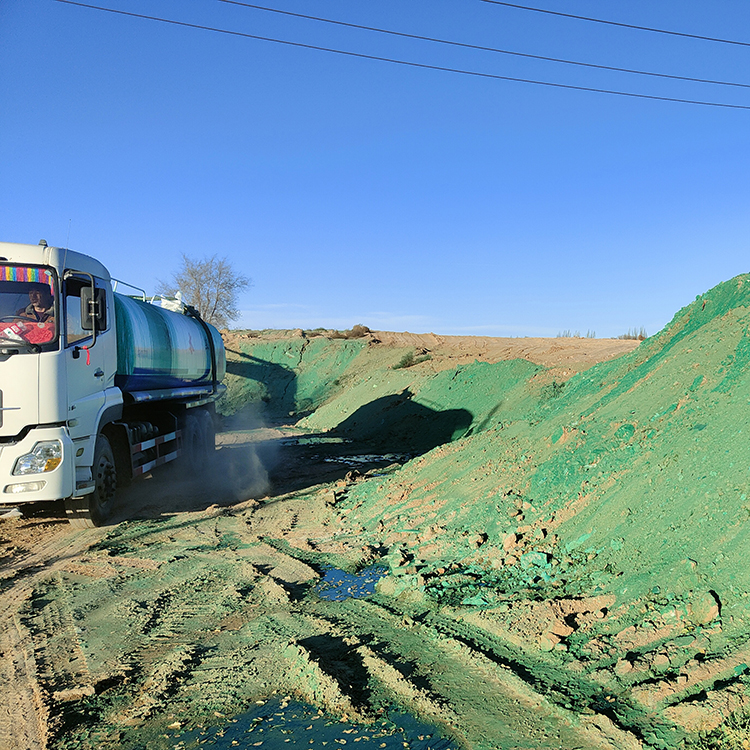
<point x="74" y="332"/>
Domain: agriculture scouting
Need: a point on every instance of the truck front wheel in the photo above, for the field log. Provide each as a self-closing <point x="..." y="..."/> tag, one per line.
<point x="95" y="508"/>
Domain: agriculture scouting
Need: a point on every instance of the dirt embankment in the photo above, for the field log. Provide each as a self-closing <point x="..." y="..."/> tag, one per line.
<point x="562" y="550"/>
<point x="574" y="354"/>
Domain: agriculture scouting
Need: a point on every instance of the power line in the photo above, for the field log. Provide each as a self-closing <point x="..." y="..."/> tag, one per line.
<point x="484" y="49"/>
<point x="395" y="61"/>
<point x="616" y="23"/>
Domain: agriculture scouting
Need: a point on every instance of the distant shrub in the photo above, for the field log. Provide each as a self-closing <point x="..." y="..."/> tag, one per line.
<point x="566" y="334"/>
<point x="355" y="332"/>
<point x="358" y="331"/>
<point x="410" y="359"/>
<point x="406" y="361"/>
<point x="553" y="390"/>
<point x="634" y="335"/>
<point x="590" y="334"/>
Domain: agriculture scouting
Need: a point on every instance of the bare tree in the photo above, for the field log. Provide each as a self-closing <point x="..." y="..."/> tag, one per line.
<point x="210" y="285"/>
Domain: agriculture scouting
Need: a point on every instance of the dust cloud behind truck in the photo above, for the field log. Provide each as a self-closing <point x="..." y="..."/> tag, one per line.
<point x="96" y="387"/>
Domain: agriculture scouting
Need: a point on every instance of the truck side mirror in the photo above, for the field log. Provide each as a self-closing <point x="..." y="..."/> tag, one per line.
<point x="93" y="309"/>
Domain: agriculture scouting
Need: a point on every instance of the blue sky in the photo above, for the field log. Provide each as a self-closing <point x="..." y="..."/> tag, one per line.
<point x="355" y="191"/>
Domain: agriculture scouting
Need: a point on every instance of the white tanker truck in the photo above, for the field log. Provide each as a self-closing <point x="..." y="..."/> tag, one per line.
<point x="96" y="387"/>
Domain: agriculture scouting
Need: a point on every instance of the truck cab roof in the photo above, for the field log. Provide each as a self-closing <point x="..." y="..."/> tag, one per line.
<point x="57" y="257"/>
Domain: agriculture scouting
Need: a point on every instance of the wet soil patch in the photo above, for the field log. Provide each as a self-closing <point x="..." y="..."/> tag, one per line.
<point x="298" y="464"/>
<point x="277" y="725"/>
<point x="338" y="584"/>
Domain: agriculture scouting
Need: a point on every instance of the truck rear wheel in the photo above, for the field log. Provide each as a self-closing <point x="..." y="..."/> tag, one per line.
<point x="209" y="433"/>
<point x="95" y="508"/>
<point x="195" y="442"/>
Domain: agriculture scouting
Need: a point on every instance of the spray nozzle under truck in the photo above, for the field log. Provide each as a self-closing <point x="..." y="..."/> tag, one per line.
<point x="96" y="387"/>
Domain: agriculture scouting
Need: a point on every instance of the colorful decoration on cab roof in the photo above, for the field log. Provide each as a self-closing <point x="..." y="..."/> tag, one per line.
<point x="25" y="273"/>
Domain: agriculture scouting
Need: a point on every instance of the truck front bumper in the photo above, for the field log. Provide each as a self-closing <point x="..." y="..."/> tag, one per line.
<point x="44" y="486"/>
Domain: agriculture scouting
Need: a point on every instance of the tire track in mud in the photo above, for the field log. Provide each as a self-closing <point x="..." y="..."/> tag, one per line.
<point x="24" y="698"/>
<point x="62" y="667"/>
<point x="662" y="708"/>
<point x="49" y="672"/>
<point x="549" y="680"/>
<point x="534" y="681"/>
<point x="659" y="704"/>
<point x="486" y="699"/>
<point x="404" y="667"/>
<point x="174" y="637"/>
<point x="199" y="615"/>
<point x="147" y="642"/>
<point x="23" y="709"/>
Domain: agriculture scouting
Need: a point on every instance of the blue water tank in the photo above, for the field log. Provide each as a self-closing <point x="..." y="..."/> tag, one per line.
<point x="160" y="349"/>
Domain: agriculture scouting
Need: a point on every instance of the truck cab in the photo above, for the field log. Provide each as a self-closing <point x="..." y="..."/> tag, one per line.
<point x="67" y="429"/>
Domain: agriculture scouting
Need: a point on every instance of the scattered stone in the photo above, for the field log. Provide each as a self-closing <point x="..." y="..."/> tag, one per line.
<point x="509" y="541"/>
<point x="561" y="628"/>
<point x="74" y="694"/>
<point x="479" y="540"/>
<point x="704" y="607"/>
<point x="548" y="641"/>
<point x="623" y="667"/>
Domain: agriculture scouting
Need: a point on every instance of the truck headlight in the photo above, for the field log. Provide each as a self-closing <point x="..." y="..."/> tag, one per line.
<point x="45" y="456"/>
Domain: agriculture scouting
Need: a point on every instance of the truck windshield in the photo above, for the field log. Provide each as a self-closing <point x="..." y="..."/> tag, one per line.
<point x="28" y="304"/>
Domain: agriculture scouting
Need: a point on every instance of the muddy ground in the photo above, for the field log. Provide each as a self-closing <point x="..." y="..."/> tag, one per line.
<point x="551" y="555"/>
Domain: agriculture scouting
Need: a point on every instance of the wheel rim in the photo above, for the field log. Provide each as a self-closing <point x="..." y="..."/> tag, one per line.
<point x="105" y="480"/>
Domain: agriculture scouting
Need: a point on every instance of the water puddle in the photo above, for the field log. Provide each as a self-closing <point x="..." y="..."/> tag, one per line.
<point x="353" y="460"/>
<point x="370" y="458"/>
<point x="314" y="440"/>
<point x="281" y="724"/>
<point x="338" y="585"/>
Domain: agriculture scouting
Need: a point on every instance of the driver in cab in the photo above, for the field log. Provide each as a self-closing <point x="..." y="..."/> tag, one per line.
<point x="34" y="323"/>
<point x="40" y="304"/>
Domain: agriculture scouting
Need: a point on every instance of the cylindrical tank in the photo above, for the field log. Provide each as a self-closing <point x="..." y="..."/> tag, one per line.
<point x="157" y="348"/>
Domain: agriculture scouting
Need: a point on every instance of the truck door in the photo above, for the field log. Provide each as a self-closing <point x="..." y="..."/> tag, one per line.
<point x="85" y="367"/>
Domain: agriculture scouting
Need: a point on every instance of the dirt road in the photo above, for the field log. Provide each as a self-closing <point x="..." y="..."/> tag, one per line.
<point x="115" y="635"/>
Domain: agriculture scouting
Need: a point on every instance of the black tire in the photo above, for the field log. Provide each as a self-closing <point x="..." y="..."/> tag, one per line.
<point x="194" y="444"/>
<point x="95" y="508"/>
<point x="209" y="432"/>
<point x="118" y="441"/>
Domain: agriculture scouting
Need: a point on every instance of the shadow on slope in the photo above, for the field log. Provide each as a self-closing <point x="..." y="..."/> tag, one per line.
<point x="264" y="381"/>
<point x="399" y="424"/>
<point x="387" y="431"/>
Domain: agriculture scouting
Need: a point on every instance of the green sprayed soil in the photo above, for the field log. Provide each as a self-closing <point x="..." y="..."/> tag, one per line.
<point x="629" y="482"/>
<point x="566" y="561"/>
